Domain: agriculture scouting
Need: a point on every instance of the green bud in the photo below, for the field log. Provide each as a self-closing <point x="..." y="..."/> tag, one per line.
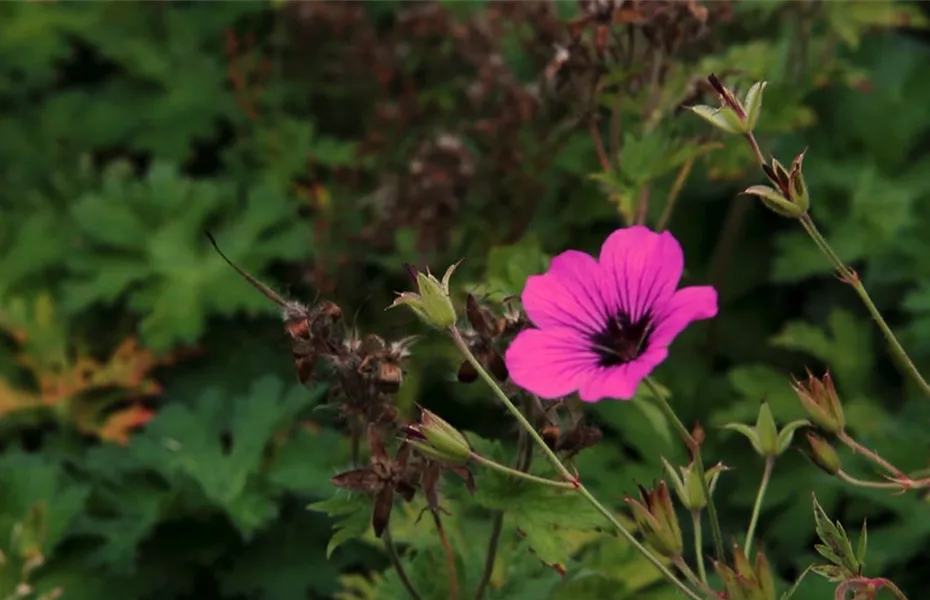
<point x="753" y="104"/>
<point x="439" y="440"/>
<point x="797" y="186"/>
<point x="733" y="116"/>
<point x="688" y="486"/>
<point x="775" y="201"/>
<point x="723" y="118"/>
<point x="822" y="454"/>
<point x="768" y="432"/>
<point x="432" y="303"/>
<point x="822" y="403"/>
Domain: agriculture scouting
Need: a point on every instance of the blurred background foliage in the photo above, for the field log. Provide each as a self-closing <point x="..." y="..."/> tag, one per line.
<point x="155" y="441"/>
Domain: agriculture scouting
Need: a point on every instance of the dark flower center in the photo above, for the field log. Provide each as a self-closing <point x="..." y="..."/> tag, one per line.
<point x="621" y="340"/>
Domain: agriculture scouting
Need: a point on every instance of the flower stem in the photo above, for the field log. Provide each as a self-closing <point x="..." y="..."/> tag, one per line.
<point x="870" y="454"/>
<point x="581" y="489"/>
<point x="520" y="474"/>
<point x="850" y="277"/>
<point x="698" y="544"/>
<point x="689" y="574"/>
<point x="398" y="566"/>
<point x="698" y="463"/>
<point x="755" y="148"/>
<point x="522" y="464"/>
<point x="450" y="556"/>
<point x="874" y="485"/>
<point x="757" y="507"/>
<point x="673" y="194"/>
<point x="895" y="590"/>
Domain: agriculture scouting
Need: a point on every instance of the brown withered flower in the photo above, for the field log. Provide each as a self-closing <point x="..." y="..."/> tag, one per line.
<point x="314" y="330"/>
<point x="486" y="334"/>
<point x="384" y="477"/>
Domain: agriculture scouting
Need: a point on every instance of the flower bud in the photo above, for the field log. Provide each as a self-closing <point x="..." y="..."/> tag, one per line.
<point x="790" y="197"/>
<point x="432" y="302"/>
<point x="746" y="581"/>
<point x="688" y="485"/>
<point x="821" y="402"/>
<point x="733" y="116"/>
<point x="822" y="454"/>
<point x="438" y="440"/>
<point x="766" y="439"/>
<point x="655" y="518"/>
<point x="775" y="201"/>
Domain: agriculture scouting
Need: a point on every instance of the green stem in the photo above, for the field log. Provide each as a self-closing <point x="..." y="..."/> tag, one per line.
<point x="873" y="456"/>
<point x="581" y="489"/>
<point x="689" y="574"/>
<point x="520" y="474"/>
<point x="755" y="148"/>
<point x="850" y="277"/>
<point x="874" y="485"/>
<point x="398" y="566"/>
<point x="522" y="464"/>
<point x="698" y="463"/>
<point x="699" y="544"/>
<point x="673" y="195"/>
<point x="463" y="348"/>
<point x="757" y="507"/>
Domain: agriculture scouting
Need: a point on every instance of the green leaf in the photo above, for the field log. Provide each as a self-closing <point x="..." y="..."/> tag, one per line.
<point x="510" y="266"/>
<point x="32" y="481"/>
<point x="544" y="516"/>
<point x="186" y="444"/>
<point x="863" y="544"/>
<point x="352" y="514"/>
<point x="143" y="239"/>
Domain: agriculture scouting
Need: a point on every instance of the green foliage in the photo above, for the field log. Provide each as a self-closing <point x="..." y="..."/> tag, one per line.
<point x="155" y="441"/>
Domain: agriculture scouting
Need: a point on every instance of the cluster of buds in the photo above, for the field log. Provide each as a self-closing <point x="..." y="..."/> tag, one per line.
<point x="746" y="580"/>
<point x="787" y="195"/>
<point x="822" y="404"/>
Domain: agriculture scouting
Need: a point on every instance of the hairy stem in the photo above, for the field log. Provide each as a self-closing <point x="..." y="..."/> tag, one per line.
<point x="486" y="462"/>
<point x="874" y="485"/>
<point x="870" y="454"/>
<point x="450" y="556"/>
<point x="755" y="148"/>
<point x="698" y="463"/>
<point x="850" y="277"/>
<point x="398" y="566"/>
<point x="557" y="463"/>
<point x="757" y="507"/>
<point x="698" y="544"/>
<point x="895" y="590"/>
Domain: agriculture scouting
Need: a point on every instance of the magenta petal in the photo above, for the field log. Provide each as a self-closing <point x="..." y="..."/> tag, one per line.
<point x="687" y="305"/>
<point x="621" y="382"/>
<point x="568" y="295"/>
<point x="642" y="267"/>
<point x="549" y="363"/>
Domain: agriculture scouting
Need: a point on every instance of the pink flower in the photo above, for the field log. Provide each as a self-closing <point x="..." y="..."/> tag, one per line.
<point x="603" y="325"/>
